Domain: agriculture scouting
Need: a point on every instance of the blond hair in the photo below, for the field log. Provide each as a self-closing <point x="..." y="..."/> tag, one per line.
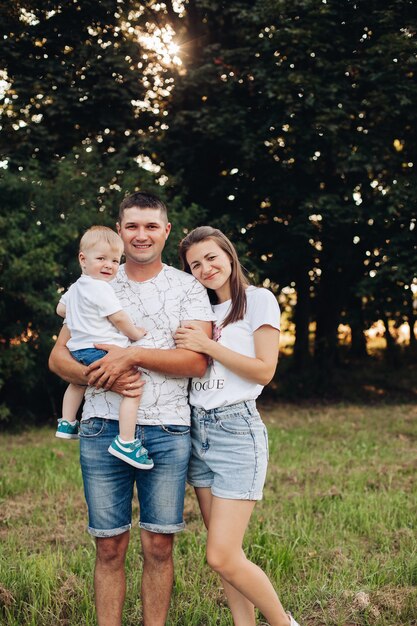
<point x="101" y="234"/>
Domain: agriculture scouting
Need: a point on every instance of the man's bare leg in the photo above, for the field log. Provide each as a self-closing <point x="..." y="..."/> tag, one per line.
<point x="109" y="578"/>
<point x="157" y="577"/>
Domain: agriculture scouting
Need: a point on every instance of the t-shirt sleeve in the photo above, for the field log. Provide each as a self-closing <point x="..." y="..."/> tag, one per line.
<point x="263" y="309"/>
<point x="103" y="296"/>
<point x="63" y="299"/>
<point x="196" y="305"/>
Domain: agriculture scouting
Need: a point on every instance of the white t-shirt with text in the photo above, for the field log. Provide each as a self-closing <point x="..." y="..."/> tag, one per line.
<point x="220" y="386"/>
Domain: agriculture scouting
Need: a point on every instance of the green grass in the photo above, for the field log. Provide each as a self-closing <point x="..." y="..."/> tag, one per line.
<point x="336" y="530"/>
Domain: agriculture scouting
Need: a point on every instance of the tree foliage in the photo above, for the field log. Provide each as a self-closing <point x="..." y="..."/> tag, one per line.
<point x="41" y="221"/>
<point x="292" y="126"/>
<point x="301" y="128"/>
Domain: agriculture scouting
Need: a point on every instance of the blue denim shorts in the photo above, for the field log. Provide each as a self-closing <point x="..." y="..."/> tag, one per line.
<point x="86" y="356"/>
<point x="229" y="451"/>
<point x="108" y="481"/>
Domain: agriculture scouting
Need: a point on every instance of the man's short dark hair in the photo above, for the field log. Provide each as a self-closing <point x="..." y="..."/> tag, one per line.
<point x="142" y="200"/>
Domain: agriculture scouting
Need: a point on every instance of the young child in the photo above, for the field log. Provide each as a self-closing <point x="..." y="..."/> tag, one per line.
<point x="94" y="315"/>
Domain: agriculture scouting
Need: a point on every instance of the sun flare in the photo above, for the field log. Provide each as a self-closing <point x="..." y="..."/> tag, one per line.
<point x="161" y="41"/>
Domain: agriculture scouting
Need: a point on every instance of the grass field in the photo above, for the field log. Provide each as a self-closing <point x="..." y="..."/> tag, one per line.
<point x="336" y="531"/>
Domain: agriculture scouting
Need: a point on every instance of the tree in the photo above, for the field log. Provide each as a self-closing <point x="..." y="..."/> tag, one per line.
<point x="76" y="73"/>
<point x="291" y="126"/>
<point x="41" y="221"/>
<point x="295" y="113"/>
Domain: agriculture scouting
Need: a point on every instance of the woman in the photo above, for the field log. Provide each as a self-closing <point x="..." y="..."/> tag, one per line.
<point x="230" y="446"/>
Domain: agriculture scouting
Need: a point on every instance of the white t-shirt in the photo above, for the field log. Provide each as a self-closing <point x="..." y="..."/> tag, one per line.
<point x="159" y="304"/>
<point x="221" y="387"/>
<point x="88" y="303"/>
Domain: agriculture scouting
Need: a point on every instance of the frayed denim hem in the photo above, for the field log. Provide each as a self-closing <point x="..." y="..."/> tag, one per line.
<point x="111" y="532"/>
<point x="163" y="530"/>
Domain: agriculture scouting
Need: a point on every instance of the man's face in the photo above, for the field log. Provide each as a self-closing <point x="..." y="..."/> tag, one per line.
<point x="144" y="232"/>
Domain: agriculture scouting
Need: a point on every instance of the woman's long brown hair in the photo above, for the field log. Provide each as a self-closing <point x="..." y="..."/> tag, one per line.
<point x="238" y="281"/>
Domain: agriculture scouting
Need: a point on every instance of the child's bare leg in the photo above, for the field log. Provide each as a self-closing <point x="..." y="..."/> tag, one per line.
<point x="73" y="397"/>
<point x="125" y="446"/>
<point x="128" y="416"/>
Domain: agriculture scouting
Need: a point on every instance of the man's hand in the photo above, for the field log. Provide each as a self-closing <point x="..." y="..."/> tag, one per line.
<point x="105" y="371"/>
<point x="129" y="384"/>
<point x="62" y="363"/>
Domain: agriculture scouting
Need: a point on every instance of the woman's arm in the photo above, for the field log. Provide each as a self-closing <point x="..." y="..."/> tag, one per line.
<point x="259" y="369"/>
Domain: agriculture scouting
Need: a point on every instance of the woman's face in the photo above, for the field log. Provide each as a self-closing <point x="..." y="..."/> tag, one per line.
<point x="211" y="266"/>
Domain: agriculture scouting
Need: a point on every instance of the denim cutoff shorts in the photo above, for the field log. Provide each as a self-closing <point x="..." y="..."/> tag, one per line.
<point x="109" y="482"/>
<point x="229" y="451"/>
<point x="86" y="356"/>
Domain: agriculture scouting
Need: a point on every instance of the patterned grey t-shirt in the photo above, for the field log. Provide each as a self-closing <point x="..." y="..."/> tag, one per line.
<point x="159" y="305"/>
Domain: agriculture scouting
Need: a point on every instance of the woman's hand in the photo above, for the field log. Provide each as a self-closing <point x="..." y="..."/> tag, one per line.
<point x="191" y="337"/>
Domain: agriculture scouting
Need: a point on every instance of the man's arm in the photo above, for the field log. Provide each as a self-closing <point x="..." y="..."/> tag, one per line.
<point x="62" y="363"/>
<point x="66" y="367"/>
<point x="177" y="362"/>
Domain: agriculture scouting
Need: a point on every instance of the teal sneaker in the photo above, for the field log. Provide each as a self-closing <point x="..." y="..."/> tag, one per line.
<point x="133" y="453"/>
<point x="66" y="430"/>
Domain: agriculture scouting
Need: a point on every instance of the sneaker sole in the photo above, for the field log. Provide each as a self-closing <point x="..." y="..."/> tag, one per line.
<point x="66" y="436"/>
<point x="122" y="457"/>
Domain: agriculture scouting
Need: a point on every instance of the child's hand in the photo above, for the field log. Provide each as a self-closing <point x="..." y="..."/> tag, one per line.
<point x="140" y="332"/>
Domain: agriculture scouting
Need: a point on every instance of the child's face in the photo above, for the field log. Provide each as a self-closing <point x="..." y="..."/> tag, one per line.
<point x="100" y="262"/>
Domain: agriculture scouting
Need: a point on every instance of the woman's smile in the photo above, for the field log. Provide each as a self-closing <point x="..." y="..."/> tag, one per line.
<point x="211" y="266"/>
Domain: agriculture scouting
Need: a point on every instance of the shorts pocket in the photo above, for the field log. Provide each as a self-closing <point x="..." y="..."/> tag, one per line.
<point x="236" y="426"/>
<point x="178" y="431"/>
<point x="92" y="427"/>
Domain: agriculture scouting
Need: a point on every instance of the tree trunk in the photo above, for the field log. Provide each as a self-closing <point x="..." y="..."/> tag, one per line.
<point x="411" y="318"/>
<point x="302" y="321"/>
<point x="413" y="340"/>
<point x="328" y="317"/>
<point x="357" y="326"/>
<point x="391" y="346"/>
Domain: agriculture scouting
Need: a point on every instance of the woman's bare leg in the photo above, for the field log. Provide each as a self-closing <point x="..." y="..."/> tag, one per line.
<point x="242" y="609"/>
<point x="228" y="520"/>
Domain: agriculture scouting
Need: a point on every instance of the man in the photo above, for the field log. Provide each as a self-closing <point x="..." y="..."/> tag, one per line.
<point x="157" y="297"/>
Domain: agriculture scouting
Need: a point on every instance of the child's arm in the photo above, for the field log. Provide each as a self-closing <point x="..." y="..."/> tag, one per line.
<point x="123" y="323"/>
<point x="61" y="309"/>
